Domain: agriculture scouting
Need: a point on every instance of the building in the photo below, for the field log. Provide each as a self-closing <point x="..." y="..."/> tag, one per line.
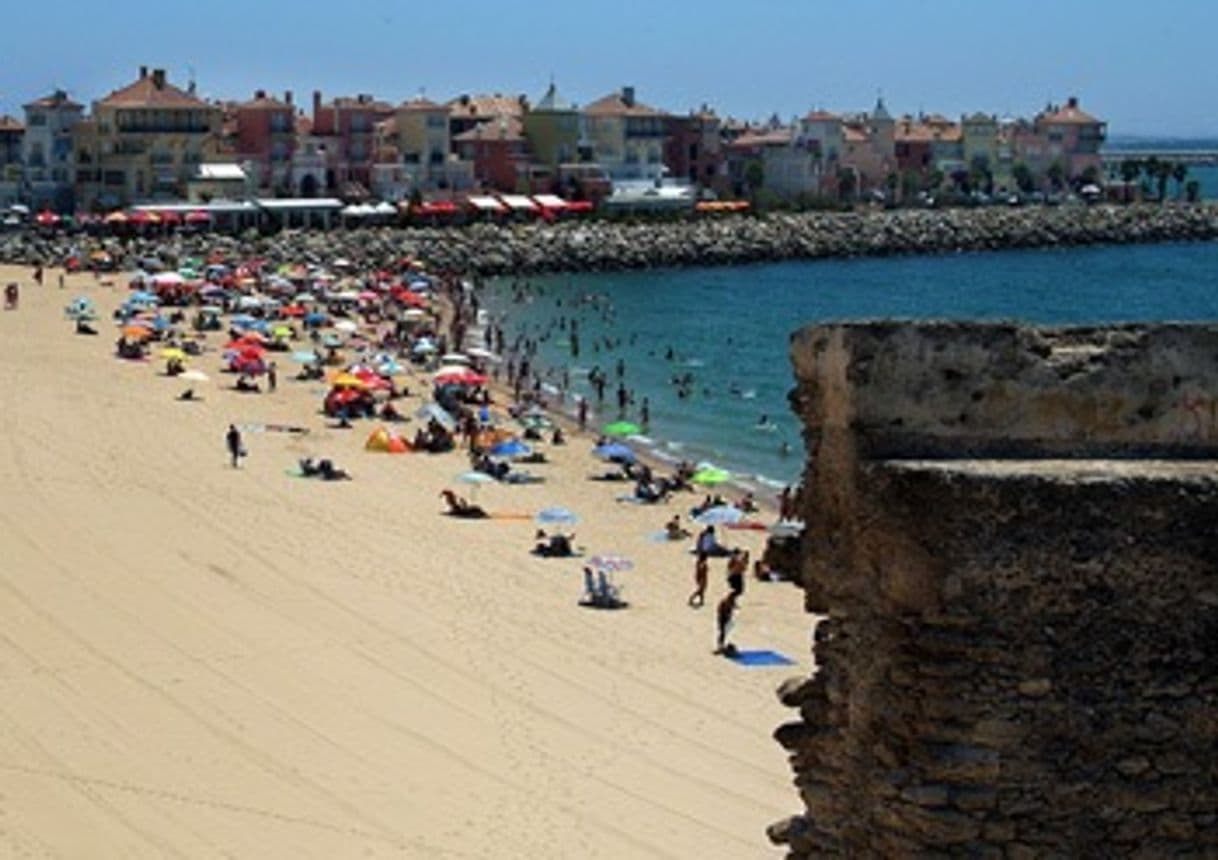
<point x="47" y="151"/>
<point x="12" y="132"/>
<point x="265" y="140"/>
<point x="499" y="153"/>
<point x="1070" y="137"/>
<point x="348" y="124"/>
<point x="467" y="112"/>
<point x="627" y="137"/>
<point x="979" y="140"/>
<point x="310" y="165"/>
<point x="554" y="132"/>
<point x="144" y="142"/>
<point x="776" y="160"/>
<point x="693" y="150"/>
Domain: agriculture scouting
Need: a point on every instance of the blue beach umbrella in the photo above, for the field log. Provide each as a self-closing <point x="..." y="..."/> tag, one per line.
<point x="141" y="297"/>
<point x="511" y="448"/>
<point x="303" y="357"/>
<point x="556" y="516"/>
<point x="614" y="452"/>
<point x="719" y="516"/>
<point x="315" y="318"/>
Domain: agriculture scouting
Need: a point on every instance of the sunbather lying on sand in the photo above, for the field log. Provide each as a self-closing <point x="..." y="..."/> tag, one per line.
<point x="323" y="469"/>
<point x="557" y="545"/>
<point x="459" y="507"/>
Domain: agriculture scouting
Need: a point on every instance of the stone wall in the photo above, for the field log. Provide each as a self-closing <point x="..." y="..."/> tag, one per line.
<point x="1012" y="534"/>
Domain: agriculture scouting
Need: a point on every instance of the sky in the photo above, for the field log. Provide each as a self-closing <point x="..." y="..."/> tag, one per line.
<point x="1145" y="67"/>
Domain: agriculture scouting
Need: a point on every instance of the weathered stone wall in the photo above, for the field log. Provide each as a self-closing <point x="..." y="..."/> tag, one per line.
<point x="1020" y="655"/>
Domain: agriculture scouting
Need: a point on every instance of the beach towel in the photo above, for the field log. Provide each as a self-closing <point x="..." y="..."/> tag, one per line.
<point x="752" y="526"/>
<point x="761" y="658"/>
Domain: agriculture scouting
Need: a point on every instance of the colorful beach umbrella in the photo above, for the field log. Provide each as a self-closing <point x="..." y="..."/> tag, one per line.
<point x="610" y="563"/>
<point x="710" y="475"/>
<point x="615" y="452"/>
<point x="194" y="376"/>
<point x="621" y="428"/>
<point x="511" y="448"/>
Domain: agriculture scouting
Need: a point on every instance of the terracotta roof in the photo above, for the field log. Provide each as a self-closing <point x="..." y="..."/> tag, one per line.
<point x="821" y="116"/>
<point x="486" y="106"/>
<point x="421" y="104"/>
<point x="507" y="128"/>
<point x="1071" y="114"/>
<point x="8" y="123"/>
<point x="614" y="105"/>
<point x="362" y="102"/>
<point x="144" y="92"/>
<point x="937" y="119"/>
<point x="264" y="102"/>
<point x="773" y="137"/>
<point x="854" y="134"/>
<point x="57" y="99"/>
<point x="913" y="132"/>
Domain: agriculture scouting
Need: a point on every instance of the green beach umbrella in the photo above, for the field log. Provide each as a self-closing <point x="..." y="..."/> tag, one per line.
<point x="621" y="428"/>
<point x="710" y="475"/>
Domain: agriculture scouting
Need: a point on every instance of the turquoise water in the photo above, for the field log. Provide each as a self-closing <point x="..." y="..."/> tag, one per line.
<point x="729" y="327"/>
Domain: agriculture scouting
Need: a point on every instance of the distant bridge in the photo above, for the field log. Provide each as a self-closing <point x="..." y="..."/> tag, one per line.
<point x="1205" y="157"/>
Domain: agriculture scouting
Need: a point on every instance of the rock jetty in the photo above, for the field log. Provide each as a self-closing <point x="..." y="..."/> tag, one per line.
<point x="601" y="245"/>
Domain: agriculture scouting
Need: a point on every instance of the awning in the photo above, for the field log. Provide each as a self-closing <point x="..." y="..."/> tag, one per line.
<point x="518" y="202"/>
<point x="435" y="207"/>
<point x="550" y="201"/>
<point x="579" y="206"/>
<point x="486" y="204"/>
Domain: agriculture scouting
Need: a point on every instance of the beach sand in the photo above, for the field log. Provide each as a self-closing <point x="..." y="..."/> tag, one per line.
<point x="199" y="661"/>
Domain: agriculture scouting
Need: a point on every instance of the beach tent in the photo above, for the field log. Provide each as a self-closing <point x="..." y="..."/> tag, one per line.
<point x="382" y="441"/>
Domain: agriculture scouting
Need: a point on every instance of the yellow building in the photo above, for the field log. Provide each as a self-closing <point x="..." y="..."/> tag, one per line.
<point x="144" y="142"/>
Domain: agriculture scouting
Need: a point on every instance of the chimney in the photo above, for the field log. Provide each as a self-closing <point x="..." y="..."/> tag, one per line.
<point x="1072" y="102"/>
<point x="143" y="72"/>
<point x="316" y="104"/>
<point x="287" y="97"/>
<point x="158" y="78"/>
<point x="259" y="94"/>
<point x="628" y="96"/>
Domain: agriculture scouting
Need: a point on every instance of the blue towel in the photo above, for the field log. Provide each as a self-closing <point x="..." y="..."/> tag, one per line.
<point x="762" y="658"/>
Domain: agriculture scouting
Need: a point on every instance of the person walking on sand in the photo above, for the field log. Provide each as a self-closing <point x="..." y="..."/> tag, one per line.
<point x="583" y="414"/>
<point x="723" y="618"/>
<point x="701" y="571"/>
<point x="272" y="376"/>
<point x="233" y="440"/>
<point x="737" y="564"/>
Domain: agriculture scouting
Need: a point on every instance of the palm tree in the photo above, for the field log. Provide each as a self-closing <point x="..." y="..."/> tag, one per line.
<point x="1057" y="175"/>
<point x="1179" y="172"/>
<point x="1163" y="172"/>
<point x="1022" y="175"/>
<point x="1130" y="168"/>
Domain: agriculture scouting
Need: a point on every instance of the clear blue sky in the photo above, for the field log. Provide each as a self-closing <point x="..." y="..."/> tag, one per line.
<point x="1147" y="67"/>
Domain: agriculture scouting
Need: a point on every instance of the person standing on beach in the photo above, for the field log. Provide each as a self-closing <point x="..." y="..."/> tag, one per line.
<point x="723" y="618"/>
<point x="701" y="571"/>
<point x="272" y="376"/>
<point x="645" y="413"/>
<point x="737" y="564"/>
<point x="233" y="440"/>
<point x="583" y="414"/>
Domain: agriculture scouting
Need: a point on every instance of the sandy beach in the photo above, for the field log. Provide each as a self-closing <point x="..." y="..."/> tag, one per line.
<point x="200" y="661"/>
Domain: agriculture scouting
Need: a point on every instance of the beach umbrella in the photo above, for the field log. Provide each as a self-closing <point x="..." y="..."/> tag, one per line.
<point x="610" y="563"/>
<point x="142" y="297"/>
<point x="720" y="515"/>
<point x="479" y="352"/>
<point x="347" y="326"/>
<point x="303" y="357"/>
<point x="193" y="376"/>
<point x="423" y="347"/>
<point x="413" y="314"/>
<point x="173" y="352"/>
<point x="511" y="448"/>
<point x="46" y="218"/>
<point x="615" y="452"/>
<point x="348" y="380"/>
<point x="316" y="318"/>
<point x="475" y="479"/>
<point x="439" y="413"/>
<point x="556" y="516"/>
<point x="710" y="475"/>
<point x="621" y="428"/>
<point x="455" y="358"/>
<point x="167" y="279"/>
<point x="459" y="376"/>
<point x="137" y="332"/>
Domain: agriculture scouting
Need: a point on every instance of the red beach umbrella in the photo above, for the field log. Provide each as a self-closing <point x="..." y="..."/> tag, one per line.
<point x="46" y="218"/>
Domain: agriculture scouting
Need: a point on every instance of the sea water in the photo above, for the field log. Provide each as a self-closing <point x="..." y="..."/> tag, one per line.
<point x="728" y="328"/>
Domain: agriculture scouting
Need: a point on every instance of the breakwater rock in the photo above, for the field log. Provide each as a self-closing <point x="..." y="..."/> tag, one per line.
<point x="1009" y="533"/>
<point x="596" y="245"/>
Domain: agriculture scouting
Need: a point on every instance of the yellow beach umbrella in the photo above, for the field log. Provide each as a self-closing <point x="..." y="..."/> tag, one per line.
<point x="173" y="352"/>
<point x="347" y="380"/>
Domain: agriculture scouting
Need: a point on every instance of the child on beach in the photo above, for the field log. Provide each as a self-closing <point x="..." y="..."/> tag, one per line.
<point x="233" y="440"/>
<point x="701" y="571"/>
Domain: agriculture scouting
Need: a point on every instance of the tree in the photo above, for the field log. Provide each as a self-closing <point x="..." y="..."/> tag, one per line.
<point x="754" y="175"/>
<point x="1056" y="175"/>
<point x="1163" y="172"/>
<point x="1179" y="172"/>
<point x="1192" y="191"/>
<point x="1024" y="180"/>
<point x="891" y="181"/>
<point x="911" y="183"/>
<point x="935" y="181"/>
<point x="1130" y="169"/>
<point x="847" y="183"/>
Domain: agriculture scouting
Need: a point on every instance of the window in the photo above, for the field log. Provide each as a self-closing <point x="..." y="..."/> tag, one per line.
<point x="115" y="177"/>
<point x="37" y="118"/>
